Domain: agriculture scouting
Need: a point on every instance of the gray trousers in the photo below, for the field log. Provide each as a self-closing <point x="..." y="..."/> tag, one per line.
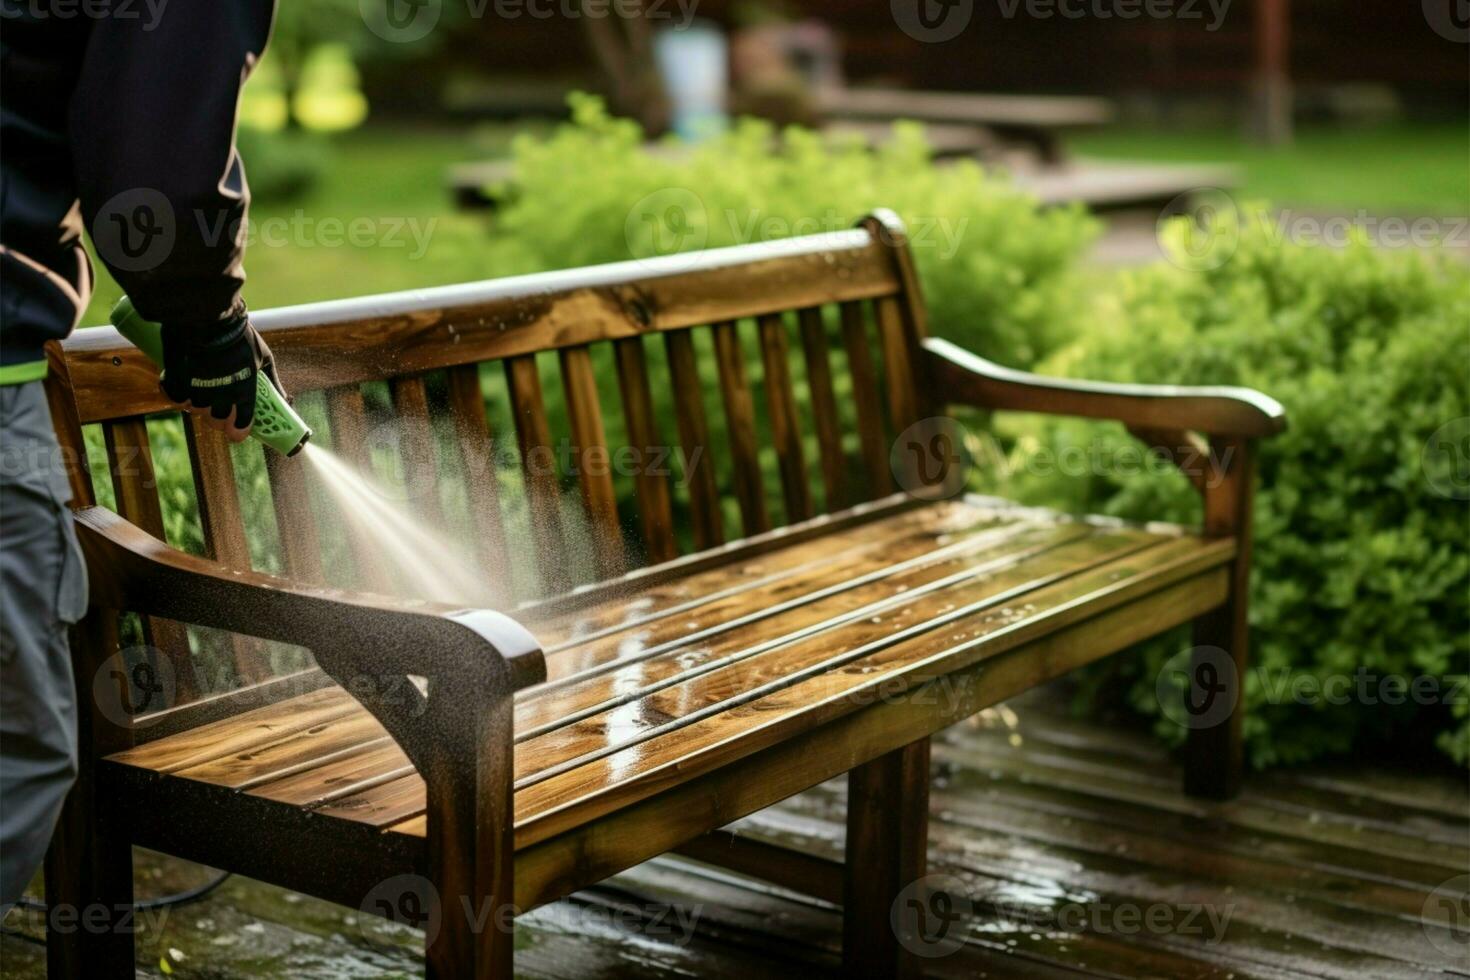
<point x="43" y="588"/>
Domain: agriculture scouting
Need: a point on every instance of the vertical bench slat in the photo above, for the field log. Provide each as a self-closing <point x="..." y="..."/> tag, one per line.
<point x="417" y="448"/>
<point x="785" y="428"/>
<point x="130" y="462"/>
<point x="533" y="435"/>
<point x="594" y="462"/>
<point x="699" y="471"/>
<point x="477" y="463"/>
<point x="223" y="524"/>
<point x="903" y="405"/>
<point x="301" y="553"/>
<point x="865" y="394"/>
<point x="347" y="415"/>
<point x="651" y="488"/>
<point x="740" y="422"/>
<point x="824" y="406"/>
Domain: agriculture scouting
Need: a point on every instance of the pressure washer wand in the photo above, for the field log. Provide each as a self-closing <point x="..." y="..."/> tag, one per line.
<point x="276" y="422"/>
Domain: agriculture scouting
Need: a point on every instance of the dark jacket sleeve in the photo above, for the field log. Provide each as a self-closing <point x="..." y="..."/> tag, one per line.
<point x="152" y="126"/>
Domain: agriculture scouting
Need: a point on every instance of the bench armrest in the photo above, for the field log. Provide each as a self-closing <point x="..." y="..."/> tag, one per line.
<point x="371" y="633"/>
<point x="959" y="376"/>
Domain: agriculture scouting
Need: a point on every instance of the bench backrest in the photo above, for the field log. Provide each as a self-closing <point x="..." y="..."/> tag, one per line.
<point x="787" y="368"/>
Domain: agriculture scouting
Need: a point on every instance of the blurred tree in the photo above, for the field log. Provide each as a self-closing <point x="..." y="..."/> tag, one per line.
<point x="621" y="38"/>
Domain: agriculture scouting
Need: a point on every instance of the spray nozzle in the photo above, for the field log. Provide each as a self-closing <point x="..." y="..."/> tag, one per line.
<point x="276" y="422"/>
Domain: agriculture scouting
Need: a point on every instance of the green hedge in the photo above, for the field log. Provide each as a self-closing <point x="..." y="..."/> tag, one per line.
<point x="1361" y="561"/>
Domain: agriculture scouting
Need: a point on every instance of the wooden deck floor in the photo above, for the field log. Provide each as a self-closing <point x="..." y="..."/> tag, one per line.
<point x="1072" y="848"/>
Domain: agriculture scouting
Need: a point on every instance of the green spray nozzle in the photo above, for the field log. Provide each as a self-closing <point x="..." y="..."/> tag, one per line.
<point x="276" y="422"/>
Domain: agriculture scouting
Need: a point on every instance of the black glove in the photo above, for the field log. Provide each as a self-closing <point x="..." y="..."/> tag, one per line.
<point x="213" y="366"/>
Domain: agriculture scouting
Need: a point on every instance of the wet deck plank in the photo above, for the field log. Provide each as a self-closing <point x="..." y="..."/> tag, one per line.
<point x="1054" y="829"/>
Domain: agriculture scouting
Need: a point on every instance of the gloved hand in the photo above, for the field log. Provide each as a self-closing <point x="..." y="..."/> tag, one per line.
<point x="213" y="366"/>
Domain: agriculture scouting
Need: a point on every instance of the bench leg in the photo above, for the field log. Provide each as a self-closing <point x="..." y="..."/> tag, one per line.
<point x="1214" y="753"/>
<point x="472" y="851"/>
<point x="90" y="925"/>
<point x="887" y="849"/>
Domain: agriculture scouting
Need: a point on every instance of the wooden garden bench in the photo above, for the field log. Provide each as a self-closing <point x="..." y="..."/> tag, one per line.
<point x="713" y="654"/>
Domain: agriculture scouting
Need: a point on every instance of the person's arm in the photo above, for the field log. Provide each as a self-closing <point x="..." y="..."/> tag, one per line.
<point x="153" y="134"/>
<point x="152" y="126"/>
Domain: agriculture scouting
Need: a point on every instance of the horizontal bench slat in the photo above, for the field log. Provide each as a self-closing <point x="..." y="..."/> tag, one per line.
<point x="350" y="341"/>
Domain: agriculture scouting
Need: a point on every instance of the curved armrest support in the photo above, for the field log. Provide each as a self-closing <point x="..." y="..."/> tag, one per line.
<point x="956" y="375"/>
<point x="134" y="570"/>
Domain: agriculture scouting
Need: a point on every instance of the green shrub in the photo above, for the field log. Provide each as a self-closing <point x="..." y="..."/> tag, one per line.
<point x="1360" y="563"/>
<point x="998" y="272"/>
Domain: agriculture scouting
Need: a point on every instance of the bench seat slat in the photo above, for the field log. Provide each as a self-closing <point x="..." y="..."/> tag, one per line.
<point x="556" y="630"/>
<point x="840" y="570"/>
<point x="1003" y="589"/>
<point x="640" y="664"/>
<point x="606" y="784"/>
<point x="982" y="587"/>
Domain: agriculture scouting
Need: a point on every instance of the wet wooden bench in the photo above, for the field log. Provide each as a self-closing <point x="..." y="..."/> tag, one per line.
<point x="689" y="652"/>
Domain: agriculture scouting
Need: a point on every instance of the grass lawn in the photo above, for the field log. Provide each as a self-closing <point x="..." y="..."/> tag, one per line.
<point x="1403" y="170"/>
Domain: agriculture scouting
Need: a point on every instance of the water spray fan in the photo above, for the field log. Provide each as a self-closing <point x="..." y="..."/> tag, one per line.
<point x="276" y="422"/>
